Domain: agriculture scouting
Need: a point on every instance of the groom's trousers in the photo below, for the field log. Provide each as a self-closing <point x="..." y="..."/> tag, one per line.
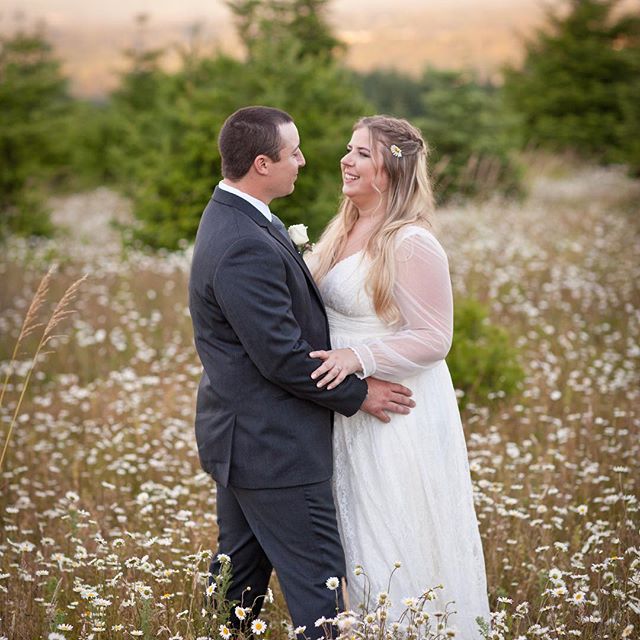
<point x="291" y="529"/>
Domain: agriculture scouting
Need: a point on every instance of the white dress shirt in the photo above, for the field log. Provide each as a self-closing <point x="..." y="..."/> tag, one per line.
<point x="258" y="204"/>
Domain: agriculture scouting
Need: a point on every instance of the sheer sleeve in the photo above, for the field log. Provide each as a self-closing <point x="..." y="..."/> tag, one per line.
<point x="423" y="294"/>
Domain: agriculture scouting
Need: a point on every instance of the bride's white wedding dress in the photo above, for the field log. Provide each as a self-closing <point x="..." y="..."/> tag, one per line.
<point x="402" y="490"/>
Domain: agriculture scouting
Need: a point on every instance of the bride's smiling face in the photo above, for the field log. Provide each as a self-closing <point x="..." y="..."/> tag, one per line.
<point x="364" y="178"/>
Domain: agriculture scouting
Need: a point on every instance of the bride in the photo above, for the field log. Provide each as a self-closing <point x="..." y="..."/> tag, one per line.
<point x="402" y="489"/>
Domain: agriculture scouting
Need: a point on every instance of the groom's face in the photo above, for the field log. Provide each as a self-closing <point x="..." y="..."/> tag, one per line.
<point x="283" y="174"/>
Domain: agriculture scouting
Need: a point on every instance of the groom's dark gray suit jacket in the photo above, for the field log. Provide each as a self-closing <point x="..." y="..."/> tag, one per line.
<point x="261" y="422"/>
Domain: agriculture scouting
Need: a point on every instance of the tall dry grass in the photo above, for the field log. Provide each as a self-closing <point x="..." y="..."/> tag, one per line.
<point x="30" y="326"/>
<point x="108" y="523"/>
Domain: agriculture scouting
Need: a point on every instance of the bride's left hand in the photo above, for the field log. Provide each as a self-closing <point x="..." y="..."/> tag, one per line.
<point x="337" y="365"/>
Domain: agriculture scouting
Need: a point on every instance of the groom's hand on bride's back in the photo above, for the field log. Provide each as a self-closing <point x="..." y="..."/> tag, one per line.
<point x="386" y="397"/>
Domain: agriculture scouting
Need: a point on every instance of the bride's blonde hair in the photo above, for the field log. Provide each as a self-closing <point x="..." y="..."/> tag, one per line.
<point x="409" y="201"/>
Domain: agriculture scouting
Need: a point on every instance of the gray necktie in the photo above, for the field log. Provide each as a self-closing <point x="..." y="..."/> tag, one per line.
<point x="279" y="225"/>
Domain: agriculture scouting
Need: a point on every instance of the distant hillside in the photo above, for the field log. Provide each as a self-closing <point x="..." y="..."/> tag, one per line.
<point x="459" y="33"/>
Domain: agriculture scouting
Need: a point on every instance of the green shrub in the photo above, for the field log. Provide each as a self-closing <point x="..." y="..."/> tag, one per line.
<point x="482" y="362"/>
<point x="166" y="125"/>
<point x="27" y="215"/>
<point x="392" y="92"/>
<point x="34" y="103"/>
<point x="468" y="128"/>
<point x="470" y="132"/>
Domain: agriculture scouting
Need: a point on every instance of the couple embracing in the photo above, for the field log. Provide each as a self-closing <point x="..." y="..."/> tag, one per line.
<point x="326" y="413"/>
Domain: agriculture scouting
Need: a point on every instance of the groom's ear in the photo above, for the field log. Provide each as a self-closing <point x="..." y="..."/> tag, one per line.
<point x="261" y="165"/>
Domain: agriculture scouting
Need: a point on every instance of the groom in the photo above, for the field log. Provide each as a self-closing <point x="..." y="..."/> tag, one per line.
<point x="263" y="427"/>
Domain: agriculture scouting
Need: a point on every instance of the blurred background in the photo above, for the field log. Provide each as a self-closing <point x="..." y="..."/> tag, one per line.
<point x="458" y="33"/>
<point x="132" y="95"/>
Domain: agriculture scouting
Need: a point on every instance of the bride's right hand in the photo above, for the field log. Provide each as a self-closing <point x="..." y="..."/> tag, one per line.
<point x="337" y="365"/>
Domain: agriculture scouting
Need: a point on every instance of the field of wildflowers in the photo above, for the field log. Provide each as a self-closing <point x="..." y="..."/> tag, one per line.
<point x="108" y="523"/>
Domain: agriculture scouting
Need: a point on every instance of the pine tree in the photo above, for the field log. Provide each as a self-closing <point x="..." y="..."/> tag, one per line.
<point x="392" y="92"/>
<point x="34" y="103"/>
<point x="468" y="129"/>
<point x="579" y="85"/>
<point x="170" y="155"/>
<point x="277" y="20"/>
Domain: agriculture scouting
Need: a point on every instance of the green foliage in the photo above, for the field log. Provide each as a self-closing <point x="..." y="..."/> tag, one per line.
<point x="465" y="123"/>
<point x="92" y="146"/>
<point x="155" y="138"/>
<point x="482" y="361"/>
<point x="140" y="117"/>
<point x="26" y="214"/>
<point x="165" y="126"/>
<point x="392" y="92"/>
<point x="628" y="128"/>
<point x="579" y="87"/>
<point x="303" y="20"/>
<point x="469" y="129"/>
<point x="34" y="103"/>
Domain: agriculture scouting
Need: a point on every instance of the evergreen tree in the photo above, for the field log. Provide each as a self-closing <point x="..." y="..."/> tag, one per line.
<point x="141" y="112"/>
<point x="275" y="20"/>
<point x="579" y="85"/>
<point x="169" y="153"/>
<point x="34" y="103"/>
<point x="393" y="93"/>
<point x="468" y="129"/>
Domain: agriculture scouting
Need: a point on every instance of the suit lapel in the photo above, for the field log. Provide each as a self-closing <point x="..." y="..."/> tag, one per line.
<point x="285" y="242"/>
<point x="232" y="200"/>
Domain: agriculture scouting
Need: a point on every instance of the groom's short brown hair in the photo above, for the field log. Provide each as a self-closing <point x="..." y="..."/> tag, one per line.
<point x="248" y="133"/>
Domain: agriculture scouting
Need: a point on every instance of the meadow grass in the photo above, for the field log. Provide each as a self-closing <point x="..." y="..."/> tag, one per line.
<point x="108" y="523"/>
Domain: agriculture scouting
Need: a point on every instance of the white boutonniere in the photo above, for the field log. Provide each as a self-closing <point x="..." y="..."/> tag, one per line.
<point x="299" y="237"/>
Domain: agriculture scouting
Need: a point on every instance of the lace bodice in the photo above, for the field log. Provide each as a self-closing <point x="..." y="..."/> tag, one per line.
<point x="422" y="292"/>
